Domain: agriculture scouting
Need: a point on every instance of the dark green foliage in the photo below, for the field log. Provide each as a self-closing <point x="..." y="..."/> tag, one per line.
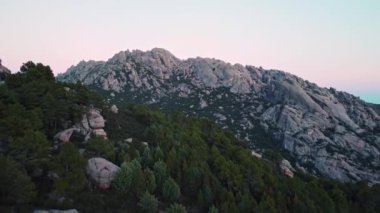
<point x="98" y="147"/>
<point x="160" y="173"/>
<point x="130" y="179"/>
<point x="247" y="203"/>
<point x="176" y="208"/>
<point x="31" y="150"/>
<point x="229" y="205"/>
<point x="150" y="180"/>
<point x="171" y="190"/>
<point x="70" y="167"/>
<point x="123" y="180"/>
<point x="213" y="209"/>
<point x="15" y="186"/>
<point x="148" y="203"/>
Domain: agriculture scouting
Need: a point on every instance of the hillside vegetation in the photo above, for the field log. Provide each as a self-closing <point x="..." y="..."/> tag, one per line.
<point x="174" y="163"/>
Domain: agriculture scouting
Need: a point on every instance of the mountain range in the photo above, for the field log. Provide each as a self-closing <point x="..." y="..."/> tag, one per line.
<point x="324" y="131"/>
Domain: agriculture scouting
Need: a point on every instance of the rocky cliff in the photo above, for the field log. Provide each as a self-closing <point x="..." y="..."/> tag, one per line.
<point x="327" y="132"/>
<point x="3" y="71"/>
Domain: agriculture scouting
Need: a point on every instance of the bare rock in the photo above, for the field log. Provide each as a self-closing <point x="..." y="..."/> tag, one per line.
<point x="95" y="119"/>
<point x="102" y="172"/>
<point x="114" y="109"/>
<point x="65" y="135"/>
<point x="286" y="168"/>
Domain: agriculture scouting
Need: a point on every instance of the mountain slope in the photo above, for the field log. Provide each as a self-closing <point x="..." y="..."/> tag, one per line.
<point x="168" y="162"/>
<point x="326" y="131"/>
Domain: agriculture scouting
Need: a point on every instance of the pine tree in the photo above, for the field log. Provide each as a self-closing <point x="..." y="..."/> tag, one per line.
<point x="176" y="208"/>
<point x="70" y="167"/>
<point x="15" y="186"/>
<point x="171" y="190"/>
<point x="31" y="150"/>
<point x="150" y="180"/>
<point x="160" y="172"/>
<point x="148" y="203"/>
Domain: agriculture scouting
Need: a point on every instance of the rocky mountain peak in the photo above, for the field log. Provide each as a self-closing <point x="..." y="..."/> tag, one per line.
<point x="328" y="132"/>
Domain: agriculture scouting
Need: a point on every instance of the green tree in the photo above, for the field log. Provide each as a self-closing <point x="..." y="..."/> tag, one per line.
<point x="150" y="180"/>
<point x="176" y="208"/>
<point x="147" y="158"/>
<point x="37" y="71"/>
<point x="192" y="180"/>
<point x="247" y="203"/>
<point x="160" y="173"/>
<point x="98" y="147"/>
<point x="15" y="186"/>
<point x="213" y="209"/>
<point x="130" y="178"/>
<point x="171" y="190"/>
<point x="148" y="202"/>
<point x="341" y="204"/>
<point x="229" y="204"/>
<point x="31" y="150"/>
<point x="267" y="205"/>
<point x="70" y="167"/>
<point x="158" y="154"/>
<point x="123" y="179"/>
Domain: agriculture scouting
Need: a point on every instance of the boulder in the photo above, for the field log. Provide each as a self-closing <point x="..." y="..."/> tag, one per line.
<point x="114" y="109"/>
<point x="92" y="124"/>
<point x="100" y="133"/>
<point x="65" y="135"/>
<point x="287" y="168"/>
<point x="129" y="140"/>
<point x="101" y="171"/>
<point x="95" y="119"/>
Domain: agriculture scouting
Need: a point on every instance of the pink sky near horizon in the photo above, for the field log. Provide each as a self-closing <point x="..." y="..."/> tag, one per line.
<point x="334" y="44"/>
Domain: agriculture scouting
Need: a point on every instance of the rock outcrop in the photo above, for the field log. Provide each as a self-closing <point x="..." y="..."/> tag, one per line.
<point x="92" y="123"/>
<point x="114" y="109"/>
<point x="101" y="172"/>
<point x="328" y="132"/>
<point x="3" y="71"/>
<point x="286" y="168"/>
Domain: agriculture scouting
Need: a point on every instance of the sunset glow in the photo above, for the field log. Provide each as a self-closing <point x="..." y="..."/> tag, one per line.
<point x="332" y="43"/>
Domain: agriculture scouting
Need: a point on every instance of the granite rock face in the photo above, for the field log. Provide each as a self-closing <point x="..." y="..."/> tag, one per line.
<point x="286" y="168"/>
<point x="327" y="132"/>
<point x="102" y="172"/>
<point x="92" y="124"/>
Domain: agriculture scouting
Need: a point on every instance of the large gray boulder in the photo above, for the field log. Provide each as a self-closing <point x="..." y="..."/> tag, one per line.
<point x="101" y="171"/>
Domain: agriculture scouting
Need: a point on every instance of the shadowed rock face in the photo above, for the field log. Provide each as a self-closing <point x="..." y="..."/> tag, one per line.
<point x="329" y="132"/>
<point x="3" y="71"/>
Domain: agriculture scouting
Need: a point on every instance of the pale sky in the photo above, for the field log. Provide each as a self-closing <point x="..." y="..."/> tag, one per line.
<point x="334" y="43"/>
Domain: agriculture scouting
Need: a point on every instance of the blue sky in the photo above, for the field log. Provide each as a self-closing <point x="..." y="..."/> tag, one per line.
<point x="332" y="43"/>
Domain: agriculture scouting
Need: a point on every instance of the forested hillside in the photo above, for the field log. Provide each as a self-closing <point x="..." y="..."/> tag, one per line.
<point x="168" y="162"/>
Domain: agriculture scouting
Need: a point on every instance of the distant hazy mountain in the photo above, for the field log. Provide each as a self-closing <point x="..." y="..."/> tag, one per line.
<point x="326" y="131"/>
